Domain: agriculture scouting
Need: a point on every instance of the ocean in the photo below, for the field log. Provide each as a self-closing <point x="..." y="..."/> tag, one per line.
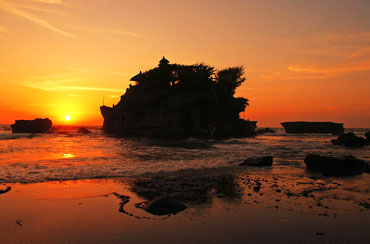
<point x="65" y="154"/>
<point x="64" y="187"/>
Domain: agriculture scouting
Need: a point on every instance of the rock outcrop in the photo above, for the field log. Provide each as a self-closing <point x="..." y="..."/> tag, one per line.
<point x="313" y="127"/>
<point x="350" y="140"/>
<point x="367" y="135"/>
<point x="32" y="126"/>
<point x="261" y="162"/>
<point x="264" y="131"/>
<point x="336" y="166"/>
<point x="178" y="101"/>
<point x="83" y="130"/>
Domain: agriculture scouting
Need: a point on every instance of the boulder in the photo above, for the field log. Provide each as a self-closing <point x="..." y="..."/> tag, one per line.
<point x="350" y="140"/>
<point x="261" y="161"/>
<point x="32" y="126"/>
<point x="264" y="131"/>
<point x="335" y="166"/>
<point x="164" y="206"/>
<point x="83" y="130"/>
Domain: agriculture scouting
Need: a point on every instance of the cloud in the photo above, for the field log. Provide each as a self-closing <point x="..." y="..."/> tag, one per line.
<point x="105" y="72"/>
<point x="48" y="87"/>
<point x="296" y="72"/>
<point x="65" y="82"/>
<point x="57" y="85"/>
<point x="119" y="32"/>
<point x="13" y="9"/>
<point x="107" y="31"/>
<point x="88" y="88"/>
<point x="324" y="55"/>
<point x="50" y="1"/>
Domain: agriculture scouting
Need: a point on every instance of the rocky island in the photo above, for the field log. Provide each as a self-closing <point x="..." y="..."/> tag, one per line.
<point x="313" y="127"/>
<point x="32" y="126"/>
<point x="178" y="101"/>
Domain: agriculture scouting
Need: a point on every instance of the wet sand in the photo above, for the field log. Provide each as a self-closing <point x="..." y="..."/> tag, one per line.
<point x="225" y="205"/>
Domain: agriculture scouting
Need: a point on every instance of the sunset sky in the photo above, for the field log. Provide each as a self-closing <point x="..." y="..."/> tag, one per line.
<point x="304" y="60"/>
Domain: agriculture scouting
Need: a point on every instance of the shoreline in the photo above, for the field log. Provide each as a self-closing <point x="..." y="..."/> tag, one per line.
<point x="223" y="203"/>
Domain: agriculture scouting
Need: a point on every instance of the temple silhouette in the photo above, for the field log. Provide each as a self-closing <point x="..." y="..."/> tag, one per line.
<point x="178" y="101"/>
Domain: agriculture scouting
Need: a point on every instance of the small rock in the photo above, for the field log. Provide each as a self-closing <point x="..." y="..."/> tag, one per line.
<point x="350" y="140"/>
<point x="83" y="130"/>
<point x="262" y="161"/>
<point x="264" y="131"/>
<point x="164" y="206"/>
<point x="257" y="188"/>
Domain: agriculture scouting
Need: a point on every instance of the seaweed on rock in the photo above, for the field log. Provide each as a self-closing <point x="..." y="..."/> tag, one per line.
<point x="177" y="101"/>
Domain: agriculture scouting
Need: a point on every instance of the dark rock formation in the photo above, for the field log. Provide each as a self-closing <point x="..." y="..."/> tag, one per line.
<point x="262" y="161"/>
<point x="335" y="166"/>
<point x="163" y="206"/>
<point x="367" y="135"/>
<point x="178" y="101"/>
<point x="31" y="126"/>
<point x="83" y="130"/>
<point x="313" y="127"/>
<point x="350" y="140"/>
<point x="264" y="131"/>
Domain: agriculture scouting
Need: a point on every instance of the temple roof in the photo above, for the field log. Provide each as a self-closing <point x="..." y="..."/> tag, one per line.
<point x="137" y="77"/>
<point x="163" y="61"/>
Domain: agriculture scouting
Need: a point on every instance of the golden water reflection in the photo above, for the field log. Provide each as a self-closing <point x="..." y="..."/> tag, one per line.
<point x="68" y="155"/>
<point x="62" y="155"/>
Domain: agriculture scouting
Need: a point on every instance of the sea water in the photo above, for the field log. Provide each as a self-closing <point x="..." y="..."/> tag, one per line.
<point x="64" y="184"/>
<point x="65" y="154"/>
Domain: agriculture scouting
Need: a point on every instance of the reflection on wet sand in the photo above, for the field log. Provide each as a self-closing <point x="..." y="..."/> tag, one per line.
<point x="271" y="188"/>
<point x="225" y="197"/>
<point x="190" y="186"/>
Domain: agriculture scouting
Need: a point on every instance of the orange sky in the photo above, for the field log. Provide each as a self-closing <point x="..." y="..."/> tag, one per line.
<point x="304" y="60"/>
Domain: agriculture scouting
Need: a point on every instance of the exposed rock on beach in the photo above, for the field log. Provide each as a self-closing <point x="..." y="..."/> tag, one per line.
<point x="350" y="140"/>
<point x="335" y="166"/>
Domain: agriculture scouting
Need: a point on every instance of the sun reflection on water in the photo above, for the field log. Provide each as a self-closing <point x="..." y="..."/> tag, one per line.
<point x="68" y="155"/>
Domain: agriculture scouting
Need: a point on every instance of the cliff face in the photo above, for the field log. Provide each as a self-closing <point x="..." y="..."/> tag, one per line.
<point x="176" y="101"/>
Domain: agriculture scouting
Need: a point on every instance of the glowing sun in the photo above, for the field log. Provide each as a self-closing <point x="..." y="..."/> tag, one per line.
<point x="67" y="117"/>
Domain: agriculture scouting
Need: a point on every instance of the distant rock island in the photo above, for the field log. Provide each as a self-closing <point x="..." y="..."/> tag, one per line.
<point x="32" y="126"/>
<point x="178" y="101"/>
<point x="313" y="127"/>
